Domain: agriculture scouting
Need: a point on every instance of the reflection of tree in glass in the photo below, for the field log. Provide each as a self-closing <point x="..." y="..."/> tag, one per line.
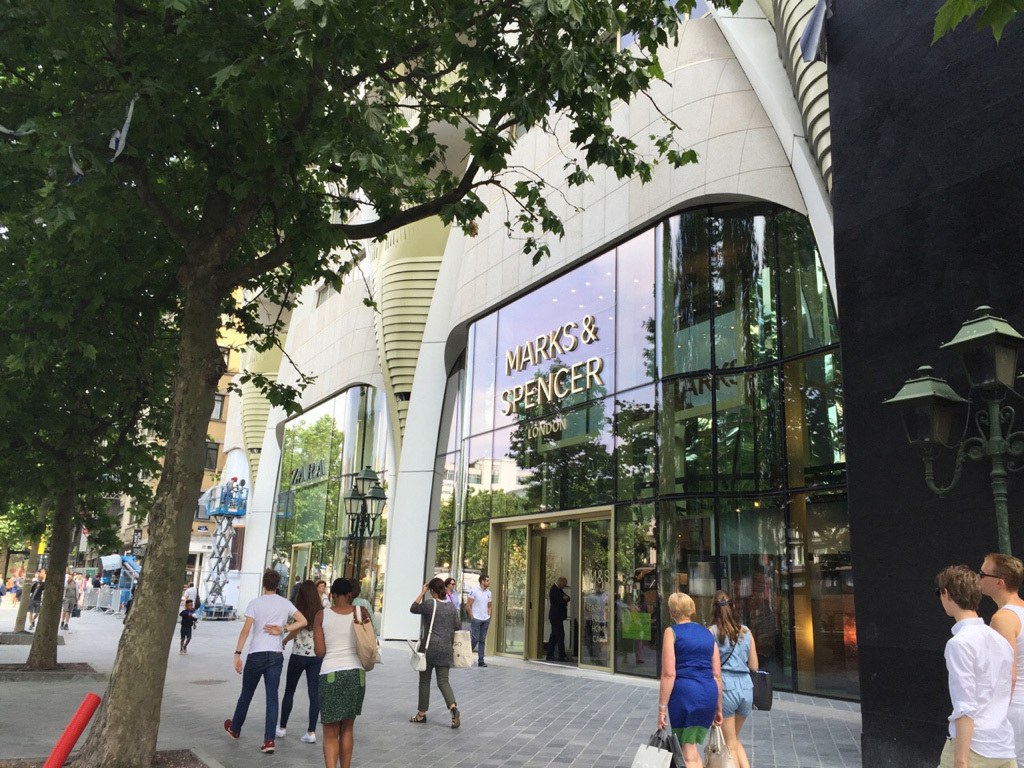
<point x="572" y="466"/>
<point x="634" y="452"/>
<point x="313" y="501"/>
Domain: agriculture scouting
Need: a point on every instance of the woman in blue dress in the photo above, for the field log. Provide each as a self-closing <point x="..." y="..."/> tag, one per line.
<point x="738" y="653"/>
<point x="690" y="698"/>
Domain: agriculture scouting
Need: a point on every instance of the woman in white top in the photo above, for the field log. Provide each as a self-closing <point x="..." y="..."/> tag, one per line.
<point x="321" y="589"/>
<point x="342" y="677"/>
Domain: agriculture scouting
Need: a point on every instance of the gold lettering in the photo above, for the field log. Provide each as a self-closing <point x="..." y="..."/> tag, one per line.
<point x="544" y="386"/>
<point x="513" y="361"/>
<point x="578" y="374"/>
<point x="594" y="366"/>
<point x="558" y="376"/>
<point x="573" y="341"/>
<point x="531" y="391"/>
<point x="541" y="345"/>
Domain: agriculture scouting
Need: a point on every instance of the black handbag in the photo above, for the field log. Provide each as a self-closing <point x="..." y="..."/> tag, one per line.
<point x="762" y="690"/>
<point x="76" y="612"/>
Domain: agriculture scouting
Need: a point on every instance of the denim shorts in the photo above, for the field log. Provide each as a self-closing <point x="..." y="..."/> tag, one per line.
<point x="737" y="695"/>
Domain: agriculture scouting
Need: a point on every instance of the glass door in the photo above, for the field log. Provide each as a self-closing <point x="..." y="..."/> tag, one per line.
<point x="512" y="599"/>
<point x="299" y="569"/>
<point x="595" y="571"/>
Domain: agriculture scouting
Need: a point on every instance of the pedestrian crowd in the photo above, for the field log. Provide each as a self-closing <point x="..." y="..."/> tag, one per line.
<point x="327" y="630"/>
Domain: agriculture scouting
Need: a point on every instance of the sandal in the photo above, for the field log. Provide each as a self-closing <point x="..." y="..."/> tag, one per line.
<point x="455" y="717"/>
<point x="418" y="718"/>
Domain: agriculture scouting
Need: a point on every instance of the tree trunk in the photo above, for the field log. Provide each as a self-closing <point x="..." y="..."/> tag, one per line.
<point x="124" y="732"/>
<point x="43" y="654"/>
<point x="30" y="570"/>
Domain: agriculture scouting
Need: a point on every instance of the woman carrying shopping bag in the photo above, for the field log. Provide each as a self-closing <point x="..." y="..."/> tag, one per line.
<point x="440" y="620"/>
<point x="303" y="660"/>
<point x="342" y="684"/>
<point x="690" y="697"/>
<point x="739" y="658"/>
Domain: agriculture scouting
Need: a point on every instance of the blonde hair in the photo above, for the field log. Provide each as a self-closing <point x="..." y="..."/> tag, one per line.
<point x="1007" y="568"/>
<point x="681" y="604"/>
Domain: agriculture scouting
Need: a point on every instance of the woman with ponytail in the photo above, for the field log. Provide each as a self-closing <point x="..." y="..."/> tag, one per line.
<point x="738" y="656"/>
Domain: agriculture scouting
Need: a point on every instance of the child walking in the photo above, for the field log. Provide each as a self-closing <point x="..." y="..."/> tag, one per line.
<point x="188" y="621"/>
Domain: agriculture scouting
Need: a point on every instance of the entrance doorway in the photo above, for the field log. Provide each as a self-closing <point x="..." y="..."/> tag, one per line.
<point x="533" y="554"/>
<point x="299" y="566"/>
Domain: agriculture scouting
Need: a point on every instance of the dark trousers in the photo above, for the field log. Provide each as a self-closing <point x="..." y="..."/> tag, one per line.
<point x="478" y="636"/>
<point x="557" y="638"/>
<point x="296" y="666"/>
<point x="266" y="665"/>
<point x="442" y="685"/>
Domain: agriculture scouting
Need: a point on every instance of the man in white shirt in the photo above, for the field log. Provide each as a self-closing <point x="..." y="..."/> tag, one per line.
<point x="479" y="608"/>
<point x="191" y="593"/>
<point x="980" y="666"/>
<point x="1001" y="577"/>
<point x="268" y="614"/>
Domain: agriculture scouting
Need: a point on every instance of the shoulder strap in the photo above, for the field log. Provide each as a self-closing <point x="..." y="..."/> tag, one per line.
<point x="431" y="630"/>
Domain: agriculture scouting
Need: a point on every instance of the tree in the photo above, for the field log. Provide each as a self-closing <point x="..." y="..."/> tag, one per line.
<point x="268" y="142"/>
<point x="995" y="14"/>
<point x="84" y="352"/>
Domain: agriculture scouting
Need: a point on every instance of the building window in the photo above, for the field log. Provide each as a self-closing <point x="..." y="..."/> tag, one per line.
<point x="225" y="352"/>
<point x="324" y="292"/>
<point x="218" y="407"/>
<point x="212" y="452"/>
<point x="690" y="378"/>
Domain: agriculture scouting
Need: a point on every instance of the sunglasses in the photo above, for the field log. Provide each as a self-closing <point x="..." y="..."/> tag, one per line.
<point x="983" y="575"/>
<point x="938" y="593"/>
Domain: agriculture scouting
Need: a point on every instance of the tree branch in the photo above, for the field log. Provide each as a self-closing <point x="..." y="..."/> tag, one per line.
<point x="139" y="174"/>
<point x="381" y="227"/>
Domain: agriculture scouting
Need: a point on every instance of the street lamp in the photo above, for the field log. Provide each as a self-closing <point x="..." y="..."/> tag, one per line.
<point x="988" y="347"/>
<point x="364" y="504"/>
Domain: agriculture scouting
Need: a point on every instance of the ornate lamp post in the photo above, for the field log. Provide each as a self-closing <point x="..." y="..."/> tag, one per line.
<point x="988" y="347"/>
<point x="364" y="504"/>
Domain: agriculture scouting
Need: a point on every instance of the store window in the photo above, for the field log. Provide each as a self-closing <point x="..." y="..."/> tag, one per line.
<point x="689" y="378"/>
<point x="323" y="449"/>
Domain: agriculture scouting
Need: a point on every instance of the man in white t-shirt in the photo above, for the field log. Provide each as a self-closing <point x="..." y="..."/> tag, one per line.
<point x="479" y="608"/>
<point x="980" y="666"/>
<point x="191" y="593"/>
<point x="267" y="615"/>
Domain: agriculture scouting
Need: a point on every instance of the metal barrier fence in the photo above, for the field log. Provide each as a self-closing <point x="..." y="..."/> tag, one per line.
<point x="103" y="599"/>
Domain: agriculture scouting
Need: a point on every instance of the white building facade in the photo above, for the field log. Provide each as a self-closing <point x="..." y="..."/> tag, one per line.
<point x="655" y="407"/>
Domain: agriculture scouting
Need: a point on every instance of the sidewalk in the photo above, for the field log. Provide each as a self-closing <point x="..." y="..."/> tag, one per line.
<point x="514" y="713"/>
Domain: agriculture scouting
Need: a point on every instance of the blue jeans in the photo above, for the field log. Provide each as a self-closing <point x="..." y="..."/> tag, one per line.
<point x="296" y="666"/>
<point x="478" y="634"/>
<point x="268" y="665"/>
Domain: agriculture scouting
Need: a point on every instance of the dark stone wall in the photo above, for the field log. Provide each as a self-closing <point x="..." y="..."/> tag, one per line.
<point x="928" y="152"/>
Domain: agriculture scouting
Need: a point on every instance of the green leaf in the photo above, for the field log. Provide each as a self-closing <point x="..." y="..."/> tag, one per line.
<point x="223" y="75"/>
<point x="998" y="14"/>
<point x="951" y="14"/>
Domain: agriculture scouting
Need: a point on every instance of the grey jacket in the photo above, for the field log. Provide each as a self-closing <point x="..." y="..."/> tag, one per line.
<point x="440" y="653"/>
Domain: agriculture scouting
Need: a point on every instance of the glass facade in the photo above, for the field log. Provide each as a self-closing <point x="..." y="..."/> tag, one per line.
<point x="689" y="381"/>
<point x="323" y="450"/>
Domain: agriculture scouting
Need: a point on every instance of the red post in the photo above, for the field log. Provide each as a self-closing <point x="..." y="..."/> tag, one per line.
<point x="73" y="732"/>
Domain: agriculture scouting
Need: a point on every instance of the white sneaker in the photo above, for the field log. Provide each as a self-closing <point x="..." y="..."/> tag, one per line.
<point x="281" y="732"/>
<point x="308" y="738"/>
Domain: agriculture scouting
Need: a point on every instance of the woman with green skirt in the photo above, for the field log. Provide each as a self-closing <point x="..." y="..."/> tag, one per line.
<point x="342" y="677"/>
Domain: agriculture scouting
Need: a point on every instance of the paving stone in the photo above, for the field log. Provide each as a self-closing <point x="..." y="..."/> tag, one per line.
<point x="514" y="713"/>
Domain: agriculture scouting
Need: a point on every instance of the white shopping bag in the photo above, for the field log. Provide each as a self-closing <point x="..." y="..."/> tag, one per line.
<point x="462" y="650"/>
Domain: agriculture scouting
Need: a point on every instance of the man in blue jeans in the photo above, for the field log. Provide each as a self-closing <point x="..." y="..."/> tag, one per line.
<point x="267" y="615"/>
<point x="479" y="608"/>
